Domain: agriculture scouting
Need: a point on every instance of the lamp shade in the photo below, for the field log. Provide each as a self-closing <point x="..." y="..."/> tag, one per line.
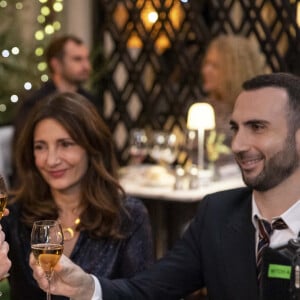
<point x="201" y="116"/>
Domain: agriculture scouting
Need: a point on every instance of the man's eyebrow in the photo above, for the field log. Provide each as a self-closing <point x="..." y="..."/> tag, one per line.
<point x="232" y="123"/>
<point x="250" y="122"/>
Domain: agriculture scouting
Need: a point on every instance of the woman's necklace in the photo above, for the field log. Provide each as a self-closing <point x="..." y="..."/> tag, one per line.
<point x="69" y="232"/>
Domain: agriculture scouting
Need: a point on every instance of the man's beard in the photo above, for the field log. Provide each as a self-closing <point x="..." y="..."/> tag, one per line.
<point x="279" y="167"/>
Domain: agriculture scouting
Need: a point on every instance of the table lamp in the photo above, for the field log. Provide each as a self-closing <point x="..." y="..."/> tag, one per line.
<point x="201" y="117"/>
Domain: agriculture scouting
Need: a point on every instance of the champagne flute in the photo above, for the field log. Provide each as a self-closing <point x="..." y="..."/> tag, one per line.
<point x="47" y="246"/>
<point x="3" y="196"/>
<point x="3" y="202"/>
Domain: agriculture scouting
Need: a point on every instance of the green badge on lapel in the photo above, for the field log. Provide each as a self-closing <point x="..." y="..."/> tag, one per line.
<point x="279" y="271"/>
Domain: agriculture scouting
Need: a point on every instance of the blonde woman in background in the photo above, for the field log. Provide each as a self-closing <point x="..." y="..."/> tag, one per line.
<point x="228" y="61"/>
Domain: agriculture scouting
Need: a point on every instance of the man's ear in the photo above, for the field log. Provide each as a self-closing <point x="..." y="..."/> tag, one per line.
<point x="55" y="64"/>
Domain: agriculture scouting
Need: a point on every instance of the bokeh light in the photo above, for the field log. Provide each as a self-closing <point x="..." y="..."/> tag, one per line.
<point x="57" y="7"/>
<point x="49" y="29"/>
<point x="3" y="3"/>
<point x="44" y="78"/>
<point x="15" y="50"/>
<point x="19" y="5"/>
<point x="39" y="35"/>
<point x="39" y="51"/>
<point x="2" y="107"/>
<point x="41" y="19"/>
<point x="42" y="66"/>
<point x="45" y="10"/>
<point x="27" y="86"/>
<point x="5" y="53"/>
<point x="14" y="98"/>
<point x="57" y="25"/>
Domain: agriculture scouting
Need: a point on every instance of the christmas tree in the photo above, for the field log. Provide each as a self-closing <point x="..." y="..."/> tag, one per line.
<point x="21" y="63"/>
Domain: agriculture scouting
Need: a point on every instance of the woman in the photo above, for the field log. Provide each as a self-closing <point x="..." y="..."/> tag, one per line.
<point x="68" y="171"/>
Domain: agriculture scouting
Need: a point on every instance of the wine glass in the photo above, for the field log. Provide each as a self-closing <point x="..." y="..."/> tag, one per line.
<point x="47" y="242"/>
<point x="3" y="196"/>
<point x="138" y="149"/>
<point x="164" y="147"/>
<point x="3" y="202"/>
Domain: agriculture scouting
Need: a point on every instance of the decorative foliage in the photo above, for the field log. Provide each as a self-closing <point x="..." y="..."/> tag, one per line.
<point x="21" y="67"/>
<point x="215" y="146"/>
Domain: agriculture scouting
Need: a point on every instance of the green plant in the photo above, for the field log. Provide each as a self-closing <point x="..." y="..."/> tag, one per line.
<point x="215" y="146"/>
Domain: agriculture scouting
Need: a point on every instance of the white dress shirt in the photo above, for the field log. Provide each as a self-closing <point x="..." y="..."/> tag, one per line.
<point x="98" y="291"/>
<point x="291" y="219"/>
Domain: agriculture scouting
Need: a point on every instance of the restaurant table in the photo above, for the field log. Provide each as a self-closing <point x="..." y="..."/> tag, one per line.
<point x="171" y="210"/>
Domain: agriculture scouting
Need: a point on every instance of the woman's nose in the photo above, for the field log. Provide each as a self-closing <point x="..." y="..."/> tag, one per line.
<point x="53" y="157"/>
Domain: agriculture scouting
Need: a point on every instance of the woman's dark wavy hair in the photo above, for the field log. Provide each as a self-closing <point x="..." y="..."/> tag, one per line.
<point x="102" y="196"/>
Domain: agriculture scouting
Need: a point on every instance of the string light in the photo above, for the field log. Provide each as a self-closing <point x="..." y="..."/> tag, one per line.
<point x="19" y="5"/>
<point x="3" y="4"/>
<point x="48" y="25"/>
<point x="27" y="86"/>
<point x="15" y="50"/>
<point x="44" y="78"/>
<point x="58" y="7"/>
<point x="5" y="53"/>
<point x="2" y="107"/>
<point x="14" y="98"/>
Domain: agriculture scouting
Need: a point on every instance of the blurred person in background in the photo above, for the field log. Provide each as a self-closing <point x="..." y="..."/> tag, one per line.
<point x="68" y="61"/>
<point x="68" y="171"/>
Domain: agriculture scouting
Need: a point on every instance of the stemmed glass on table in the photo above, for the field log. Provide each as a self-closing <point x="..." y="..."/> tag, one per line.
<point x="164" y="147"/>
<point x="3" y="202"/>
<point x="47" y="242"/>
<point x="138" y="149"/>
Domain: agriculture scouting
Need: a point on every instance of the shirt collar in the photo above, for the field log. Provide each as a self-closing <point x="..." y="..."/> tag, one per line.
<point x="291" y="216"/>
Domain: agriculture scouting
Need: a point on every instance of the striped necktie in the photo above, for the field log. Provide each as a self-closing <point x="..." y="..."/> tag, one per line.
<point x="265" y="231"/>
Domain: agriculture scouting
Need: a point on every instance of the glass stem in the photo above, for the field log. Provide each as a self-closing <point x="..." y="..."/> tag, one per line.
<point x="48" y="290"/>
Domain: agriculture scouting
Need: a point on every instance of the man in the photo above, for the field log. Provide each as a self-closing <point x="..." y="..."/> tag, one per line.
<point x="69" y="64"/>
<point x="220" y="248"/>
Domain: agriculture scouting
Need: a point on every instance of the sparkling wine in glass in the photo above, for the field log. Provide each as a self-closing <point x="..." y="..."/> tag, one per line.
<point x="3" y="196"/>
<point x="47" y="242"/>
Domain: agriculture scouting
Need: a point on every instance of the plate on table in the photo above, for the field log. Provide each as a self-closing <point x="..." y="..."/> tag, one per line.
<point x="148" y="175"/>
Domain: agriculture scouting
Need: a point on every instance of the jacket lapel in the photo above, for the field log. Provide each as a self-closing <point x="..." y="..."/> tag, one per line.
<point x="238" y="242"/>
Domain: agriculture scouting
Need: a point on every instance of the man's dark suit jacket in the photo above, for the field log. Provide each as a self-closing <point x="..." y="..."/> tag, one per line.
<point x="216" y="251"/>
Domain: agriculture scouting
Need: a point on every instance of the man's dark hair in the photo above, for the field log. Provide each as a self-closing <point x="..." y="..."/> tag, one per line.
<point x="57" y="46"/>
<point x="289" y="82"/>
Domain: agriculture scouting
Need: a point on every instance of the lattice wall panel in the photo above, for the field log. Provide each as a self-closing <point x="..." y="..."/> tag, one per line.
<point x="152" y="69"/>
